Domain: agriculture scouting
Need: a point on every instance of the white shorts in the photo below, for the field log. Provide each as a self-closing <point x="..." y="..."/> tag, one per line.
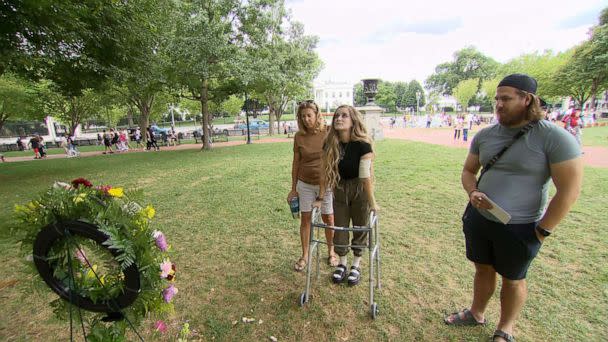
<point x="307" y="194"/>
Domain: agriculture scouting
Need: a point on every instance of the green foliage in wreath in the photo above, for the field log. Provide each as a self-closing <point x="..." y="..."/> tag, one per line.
<point x="96" y="273"/>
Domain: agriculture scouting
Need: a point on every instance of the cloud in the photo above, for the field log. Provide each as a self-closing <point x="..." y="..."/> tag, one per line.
<point x="586" y="18"/>
<point x="402" y="40"/>
<point x="435" y="27"/>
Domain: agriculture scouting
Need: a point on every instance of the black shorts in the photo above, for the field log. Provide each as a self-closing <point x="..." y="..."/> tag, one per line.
<point x="508" y="248"/>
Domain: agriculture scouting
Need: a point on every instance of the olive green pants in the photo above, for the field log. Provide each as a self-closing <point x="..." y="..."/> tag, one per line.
<point x="350" y="204"/>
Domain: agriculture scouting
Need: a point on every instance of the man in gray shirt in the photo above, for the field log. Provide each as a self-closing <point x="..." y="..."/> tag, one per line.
<point x="518" y="182"/>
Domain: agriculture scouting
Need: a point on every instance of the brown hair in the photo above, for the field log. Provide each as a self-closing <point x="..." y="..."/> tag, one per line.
<point x="534" y="111"/>
<point x="319" y="122"/>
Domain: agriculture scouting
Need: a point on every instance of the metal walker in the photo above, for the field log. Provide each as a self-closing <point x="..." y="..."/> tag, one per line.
<point x="373" y="245"/>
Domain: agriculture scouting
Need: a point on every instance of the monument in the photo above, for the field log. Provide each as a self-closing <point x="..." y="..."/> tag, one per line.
<point x="371" y="112"/>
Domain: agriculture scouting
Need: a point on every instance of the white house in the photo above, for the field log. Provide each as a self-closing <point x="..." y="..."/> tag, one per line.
<point x="330" y="94"/>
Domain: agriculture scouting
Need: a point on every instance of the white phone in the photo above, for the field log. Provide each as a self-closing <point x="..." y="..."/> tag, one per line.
<point x="499" y="212"/>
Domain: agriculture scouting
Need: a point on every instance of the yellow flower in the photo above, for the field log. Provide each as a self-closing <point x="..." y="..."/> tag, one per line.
<point x="116" y="192"/>
<point x="22" y="209"/>
<point x="149" y="212"/>
<point x="80" y="198"/>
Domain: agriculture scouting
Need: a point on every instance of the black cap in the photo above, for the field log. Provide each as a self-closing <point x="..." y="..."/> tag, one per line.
<point x="521" y="82"/>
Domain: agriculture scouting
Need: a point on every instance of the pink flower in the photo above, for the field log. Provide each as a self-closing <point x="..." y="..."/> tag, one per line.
<point x="79" y="254"/>
<point x="169" y="292"/>
<point x="165" y="269"/>
<point x="160" y="326"/>
<point x="104" y="189"/>
<point x="161" y="241"/>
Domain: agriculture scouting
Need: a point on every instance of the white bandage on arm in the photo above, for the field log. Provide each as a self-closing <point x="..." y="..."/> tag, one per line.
<point x="365" y="168"/>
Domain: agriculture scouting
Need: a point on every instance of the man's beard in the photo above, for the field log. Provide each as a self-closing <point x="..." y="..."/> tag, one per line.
<point x="512" y="119"/>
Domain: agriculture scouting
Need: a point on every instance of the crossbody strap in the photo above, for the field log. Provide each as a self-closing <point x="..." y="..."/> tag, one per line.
<point x="494" y="159"/>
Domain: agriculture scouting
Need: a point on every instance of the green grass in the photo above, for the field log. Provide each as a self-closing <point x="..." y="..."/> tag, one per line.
<point x="595" y="136"/>
<point x="234" y="244"/>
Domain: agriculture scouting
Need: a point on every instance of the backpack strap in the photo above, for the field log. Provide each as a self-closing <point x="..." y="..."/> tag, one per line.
<point x="494" y="159"/>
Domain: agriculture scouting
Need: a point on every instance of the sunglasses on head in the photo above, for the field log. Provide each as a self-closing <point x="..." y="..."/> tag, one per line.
<point x="306" y="102"/>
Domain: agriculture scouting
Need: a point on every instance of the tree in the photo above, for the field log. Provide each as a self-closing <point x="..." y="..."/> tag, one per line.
<point x="468" y="63"/>
<point x="76" y="44"/>
<point x="541" y="66"/>
<point x="359" y="98"/>
<point x="410" y="100"/>
<point x="286" y="64"/>
<point x="70" y="109"/>
<point x="400" y="92"/>
<point x="488" y="87"/>
<point x="232" y="106"/>
<point x="464" y="92"/>
<point x="17" y="99"/>
<point x="206" y="54"/>
<point x="386" y="96"/>
<point x="595" y="56"/>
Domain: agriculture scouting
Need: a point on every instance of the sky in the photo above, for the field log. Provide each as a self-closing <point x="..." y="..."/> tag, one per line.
<point x="404" y="40"/>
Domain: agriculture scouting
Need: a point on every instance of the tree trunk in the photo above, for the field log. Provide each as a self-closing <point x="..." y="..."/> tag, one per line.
<point x="144" y="122"/>
<point x="130" y="117"/>
<point x="594" y="86"/>
<point x="205" y="112"/>
<point x="2" y="121"/>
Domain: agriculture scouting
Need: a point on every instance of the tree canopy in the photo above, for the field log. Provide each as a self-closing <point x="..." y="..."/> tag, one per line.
<point x="468" y="63"/>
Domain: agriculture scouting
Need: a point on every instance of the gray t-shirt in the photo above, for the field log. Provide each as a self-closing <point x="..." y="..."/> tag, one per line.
<point x="519" y="181"/>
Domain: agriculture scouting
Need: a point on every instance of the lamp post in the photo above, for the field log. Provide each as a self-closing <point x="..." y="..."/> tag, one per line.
<point x="418" y="94"/>
<point x="247" y="108"/>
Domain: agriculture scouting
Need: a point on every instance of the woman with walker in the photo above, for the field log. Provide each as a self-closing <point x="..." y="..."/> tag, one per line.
<point x="347" y="164"/>
<point x="306" y="176"/>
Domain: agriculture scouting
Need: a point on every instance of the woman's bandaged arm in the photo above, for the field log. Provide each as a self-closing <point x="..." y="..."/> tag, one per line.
<point x="366" y="173"/>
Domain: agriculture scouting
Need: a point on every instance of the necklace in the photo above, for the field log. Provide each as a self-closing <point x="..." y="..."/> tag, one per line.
<point x="343" y="149"/>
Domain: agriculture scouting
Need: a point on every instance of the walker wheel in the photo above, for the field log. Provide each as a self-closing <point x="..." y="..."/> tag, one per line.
<point x="303" y="299"/>
<point x="374" y="310"/>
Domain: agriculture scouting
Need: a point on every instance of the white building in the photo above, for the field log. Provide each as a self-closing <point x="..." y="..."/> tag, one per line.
<point x="330" y="94"/>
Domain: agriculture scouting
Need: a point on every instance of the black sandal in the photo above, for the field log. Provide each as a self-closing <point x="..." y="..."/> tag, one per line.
<point x="354" y="276"/>
<point x="339" y="274"/>
<point x="502" y="334"/>
<point x="467" y="319"/>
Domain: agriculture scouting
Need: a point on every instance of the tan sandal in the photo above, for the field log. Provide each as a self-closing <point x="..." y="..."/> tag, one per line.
<point x="300" y="265"/>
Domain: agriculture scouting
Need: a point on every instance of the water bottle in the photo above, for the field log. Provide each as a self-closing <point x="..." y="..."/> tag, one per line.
<point x="294" y="205"/>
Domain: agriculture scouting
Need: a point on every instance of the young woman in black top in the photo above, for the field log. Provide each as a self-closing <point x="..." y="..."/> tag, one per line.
<point x="347" y="164"/>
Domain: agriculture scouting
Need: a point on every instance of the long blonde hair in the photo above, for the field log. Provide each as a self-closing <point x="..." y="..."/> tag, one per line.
<point x="331" y="147"/>
<point x="319" y="121"/>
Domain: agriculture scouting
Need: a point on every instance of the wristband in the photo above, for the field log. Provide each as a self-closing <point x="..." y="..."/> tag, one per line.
<point x="472" y="191"/>
<point x="542" y="231"/>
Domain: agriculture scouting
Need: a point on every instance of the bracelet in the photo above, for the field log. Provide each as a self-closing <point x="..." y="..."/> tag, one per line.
<point x="472" y="191"/>
<point x="542" y="231"/>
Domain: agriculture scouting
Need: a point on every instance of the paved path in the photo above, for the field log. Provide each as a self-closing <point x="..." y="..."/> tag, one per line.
<point x="166" y="148"/>
<point x="595" y="156"/>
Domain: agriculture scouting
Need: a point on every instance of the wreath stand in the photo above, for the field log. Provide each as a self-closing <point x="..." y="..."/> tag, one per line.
<point x="67" y="230"/>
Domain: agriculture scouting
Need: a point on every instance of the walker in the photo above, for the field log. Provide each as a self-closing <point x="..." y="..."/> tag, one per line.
<point x="373" y="245"/>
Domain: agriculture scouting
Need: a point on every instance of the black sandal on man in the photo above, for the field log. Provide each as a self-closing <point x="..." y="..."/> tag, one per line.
<point x="339" y="274"/>
<point x="354" y="276"/>
<point x="504" y="335"/>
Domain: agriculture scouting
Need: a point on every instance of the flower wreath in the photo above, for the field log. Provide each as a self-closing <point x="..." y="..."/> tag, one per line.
<point x="95" y="248"/>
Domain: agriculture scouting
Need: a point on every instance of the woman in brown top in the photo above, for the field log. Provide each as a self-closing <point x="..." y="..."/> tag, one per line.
<point x="306" y="174"/>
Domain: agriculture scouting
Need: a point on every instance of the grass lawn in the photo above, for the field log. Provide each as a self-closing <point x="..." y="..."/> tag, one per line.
<point x="595" y="136"/>
<point x="234" y="242"/>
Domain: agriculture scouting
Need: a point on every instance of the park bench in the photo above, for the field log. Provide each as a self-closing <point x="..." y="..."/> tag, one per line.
<point x="219" y="136"/>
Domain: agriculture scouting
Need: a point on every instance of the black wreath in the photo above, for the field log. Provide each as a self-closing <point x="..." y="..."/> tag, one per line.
<point x="50" y="234"/>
